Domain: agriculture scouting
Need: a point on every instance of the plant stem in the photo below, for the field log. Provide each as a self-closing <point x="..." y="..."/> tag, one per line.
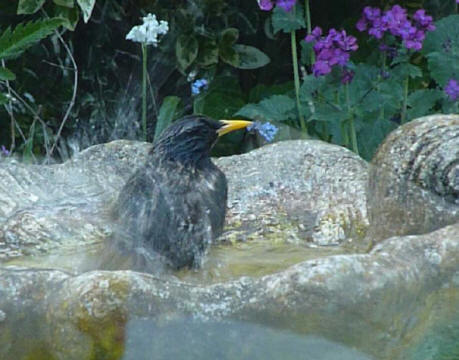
<point x="381" y="112"/>
<point x="9" y="110"/>
<point x="144" y="90"/>
<point x="308" y="25"/>
<point x="405" y="99"/>
<point x="344" y="134"/>
<point x="72" y="100"/>
<point x="355" y="147"/>
<point x="308" y="17"/>
<point x="296" y="78"/>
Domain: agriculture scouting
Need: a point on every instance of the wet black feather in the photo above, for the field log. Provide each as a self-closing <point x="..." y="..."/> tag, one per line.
<point x="175" y="204"/>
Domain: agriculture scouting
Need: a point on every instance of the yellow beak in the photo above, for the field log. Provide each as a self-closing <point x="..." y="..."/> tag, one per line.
<point x="231" y="125"/>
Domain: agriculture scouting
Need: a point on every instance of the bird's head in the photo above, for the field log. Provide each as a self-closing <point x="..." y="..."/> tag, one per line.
<point x="190" y="139"/>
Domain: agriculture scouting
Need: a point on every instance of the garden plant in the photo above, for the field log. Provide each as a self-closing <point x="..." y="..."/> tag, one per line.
<point x="345" y="74"/>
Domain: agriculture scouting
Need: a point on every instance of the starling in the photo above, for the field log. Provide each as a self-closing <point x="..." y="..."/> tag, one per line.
<point x="175" y="204"/>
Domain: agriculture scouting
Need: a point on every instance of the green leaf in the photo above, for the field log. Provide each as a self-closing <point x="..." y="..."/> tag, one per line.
<point x="166" y="114"/>
<point x="386" y="96"/>
<point x="229" y="36"/>
<point x="444" y="66"/>
<point x="369" y="92"/>
<point x="186" y="50"/>
<point x="310" y="86"/>
<point x="364" y="84"/>
<point x="288" y="21"/>
<point x="268" y="29"/>
<point x="221" y="100"/>
<point x="372" y="134"/>
<point x="230" y="56"/>
<point x="86" y="7"/>
<point x="309" y="94"/>
<point x="274" y="108"/>
<point x="69" y="16"/>
<point x="422" y="102"/>
<point x="226" y="50"/>
<point x="65" y="3"/>
<point x="250" y="57"/>
<point x="6" y="74"/>
<point x="261" y="91"/>
<point x="441" y="47"/>
<point x="208" y="52"/>
<point x="13" y="43"/>
<point x="329" y="113"/>
<point x="3" y="98"/>
<point x="449" y="107"/>
<point x="306" y="52"/>
<point x="445" y="36"/>
<point x="287" y="132"/>
<point x="27" y="154"/>
<point x="407" y="70"/>
<point x="29" y="6"/>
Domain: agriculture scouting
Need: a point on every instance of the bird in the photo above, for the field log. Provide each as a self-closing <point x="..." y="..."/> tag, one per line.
<point x="174" y="205"/>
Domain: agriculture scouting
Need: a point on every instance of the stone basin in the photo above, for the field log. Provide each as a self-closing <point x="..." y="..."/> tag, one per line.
<point x="316" y="257"/>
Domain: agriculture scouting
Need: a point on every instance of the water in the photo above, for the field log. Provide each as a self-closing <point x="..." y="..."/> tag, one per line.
<point x="224" y="262"/>
<point x="253" y="258"/>
<point x="189" y="339"/>
<point x="433" y="332"/>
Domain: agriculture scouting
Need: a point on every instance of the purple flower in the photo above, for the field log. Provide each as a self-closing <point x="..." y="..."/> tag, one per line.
<point x="321" y="67"/>
<point x="447" y="45"/>
<point x="405" y="30"/>
<point x="452" y="90"/>
<point x="332" y="49"/>
<point x="4" y="151"/>
<point x="423" y="21"/>
<point x="315" y="35"/>
<point x="265" y="5"/>
<point x="415" y="41"/>
<point x="287" y="5"/>
<point x="385" y="74"/>
<point x="267" y="130"/>
<point x="397" y="23"/>
<point x="346" y="43"/>
<point x="378" y="29"/>
<point x="395" y="19"/>
<point x="391" y="51"/>
<point x="347" y="76"/>
<point x="362" y="24"/>
<point x="370" y="15"/>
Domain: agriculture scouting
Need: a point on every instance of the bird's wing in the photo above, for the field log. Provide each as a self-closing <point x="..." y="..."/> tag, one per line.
<point x="141" y="205"/>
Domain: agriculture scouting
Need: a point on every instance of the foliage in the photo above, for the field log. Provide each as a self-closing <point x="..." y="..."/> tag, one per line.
<point x="32" y="6"/>
<point x="243" y="55"/>
<point x="14" y="42"/>
<point x="442" y="50"/>
<point x="357" y="105"/>
<point x="288" y="21"/>
<point x="167" y="113"/>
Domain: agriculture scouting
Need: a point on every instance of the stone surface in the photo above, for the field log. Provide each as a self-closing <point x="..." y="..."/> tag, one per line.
<point x="44" y="209"/>
<point x="369" y="301"/>
<point x="298" y="191"/>
<point x="384" y="304"/>
<point x="414" y="178"/>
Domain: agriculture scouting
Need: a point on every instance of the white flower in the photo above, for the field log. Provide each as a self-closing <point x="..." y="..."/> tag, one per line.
<point x="148" y="32"/>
